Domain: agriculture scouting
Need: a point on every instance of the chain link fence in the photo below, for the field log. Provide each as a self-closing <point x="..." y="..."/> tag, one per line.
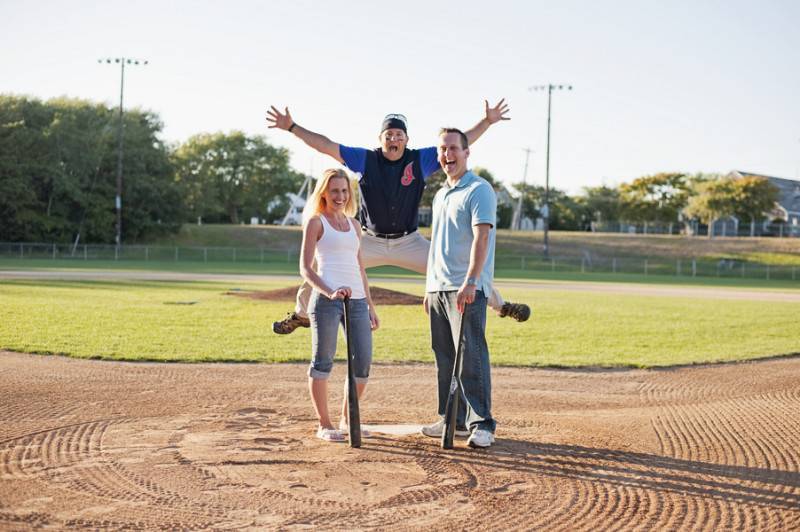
<point x="87" y="252"/>
<point x="693" y="228"/>
<point x="730" y="268"/>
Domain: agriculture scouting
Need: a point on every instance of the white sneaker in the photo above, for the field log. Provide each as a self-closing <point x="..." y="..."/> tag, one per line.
<point x="480" y="438"/>
<point x="435" y="430"/>
<point x="345" y="429"/>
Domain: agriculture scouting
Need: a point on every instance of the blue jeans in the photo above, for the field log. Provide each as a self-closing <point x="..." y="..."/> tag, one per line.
<point x="326" y="315"/>
<point x="475" y="408"/>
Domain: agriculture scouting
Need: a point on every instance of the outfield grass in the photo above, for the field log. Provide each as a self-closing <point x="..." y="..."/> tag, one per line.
<point x="780" y="280"/>
<point x="197" y="322"/>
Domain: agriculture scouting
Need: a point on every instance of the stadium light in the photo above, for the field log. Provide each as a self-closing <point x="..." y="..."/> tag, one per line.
<point x="546" y="210"/>
<point x="118" y="201"/>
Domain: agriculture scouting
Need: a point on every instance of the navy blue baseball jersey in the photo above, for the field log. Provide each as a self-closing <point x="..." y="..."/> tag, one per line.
<point x="390" y="190"/>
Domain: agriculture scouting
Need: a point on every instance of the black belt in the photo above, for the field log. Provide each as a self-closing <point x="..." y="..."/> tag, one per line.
<point x="388" y="236"/>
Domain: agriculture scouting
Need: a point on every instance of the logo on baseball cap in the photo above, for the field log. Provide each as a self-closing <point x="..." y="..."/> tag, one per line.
<point x="394" y="121"/>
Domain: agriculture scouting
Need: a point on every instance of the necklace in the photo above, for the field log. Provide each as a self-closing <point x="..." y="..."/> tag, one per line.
<point x="340" y="224"/>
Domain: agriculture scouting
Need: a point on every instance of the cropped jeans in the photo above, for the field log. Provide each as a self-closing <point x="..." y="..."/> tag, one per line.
<point x="326" y="315"/>
<point x="475" y="408"/>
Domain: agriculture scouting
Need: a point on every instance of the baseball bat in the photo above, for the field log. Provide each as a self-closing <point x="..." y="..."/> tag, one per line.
<point x="451" y="410"/>
<point x="353" y="415"/>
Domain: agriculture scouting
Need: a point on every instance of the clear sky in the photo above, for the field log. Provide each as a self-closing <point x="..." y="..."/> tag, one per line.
<point x="669" y="85"/>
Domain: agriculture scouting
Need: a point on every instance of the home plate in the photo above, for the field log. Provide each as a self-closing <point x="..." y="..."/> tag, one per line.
<point x="397" y="430"/>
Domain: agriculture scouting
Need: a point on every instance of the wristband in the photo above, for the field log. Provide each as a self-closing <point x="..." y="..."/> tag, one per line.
<point x="291" y="127"/>
<point x="471" y="281"/>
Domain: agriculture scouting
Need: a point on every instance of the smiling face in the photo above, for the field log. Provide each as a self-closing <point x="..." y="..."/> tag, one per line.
<point x="393" y="143"/>
<point x="336" y="195"/>
<point x="453" y="155"/>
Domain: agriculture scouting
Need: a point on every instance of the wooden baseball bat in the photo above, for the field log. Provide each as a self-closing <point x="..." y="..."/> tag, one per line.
<point x="451" y="410"/>
<point x="354" y="417"/>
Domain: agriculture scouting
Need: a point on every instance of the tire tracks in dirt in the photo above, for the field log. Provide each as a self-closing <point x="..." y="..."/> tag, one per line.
<point x="119" y="445"/>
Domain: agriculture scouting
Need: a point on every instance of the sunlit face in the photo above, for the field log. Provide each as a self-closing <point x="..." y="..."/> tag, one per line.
<point x="452" y="156"/>
<point x="336" y="194"/>
<point x="393" y="143"/>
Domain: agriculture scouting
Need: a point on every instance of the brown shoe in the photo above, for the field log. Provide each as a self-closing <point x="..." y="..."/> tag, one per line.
<point x="518" y="311"/>
<point x="290" y="323"/>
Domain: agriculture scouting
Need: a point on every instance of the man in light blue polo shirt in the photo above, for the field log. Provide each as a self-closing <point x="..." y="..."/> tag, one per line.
<point x="459" y="277"/>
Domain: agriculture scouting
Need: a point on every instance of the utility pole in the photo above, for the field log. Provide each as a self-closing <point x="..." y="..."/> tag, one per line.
<point x="118" y="200"/>
<point x="546" y="209"/>
<point x="518" y="218"/>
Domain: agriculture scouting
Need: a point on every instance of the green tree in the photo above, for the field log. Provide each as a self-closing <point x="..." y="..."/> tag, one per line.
<point x="656" y="198"/>
<point x="712" y="200"/>
<point x="58" y="163"/>
<point x="754" y="197"/>
<point x="232" y="177"/>
<point x="602" y="203"/>
<point x="25" y="157"/>
<point x="566" y="213"/>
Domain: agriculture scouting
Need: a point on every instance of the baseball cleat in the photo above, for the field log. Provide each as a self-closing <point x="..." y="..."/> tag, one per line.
<point x="518" y="311"/>
<point x="290" y="323"/>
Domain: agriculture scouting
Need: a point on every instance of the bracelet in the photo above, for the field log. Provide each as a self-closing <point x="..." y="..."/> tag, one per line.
<point x="291" y="127"/>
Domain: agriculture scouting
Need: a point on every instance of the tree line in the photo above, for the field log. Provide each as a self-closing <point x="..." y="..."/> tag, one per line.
<point x="663" y="198"/>
<point x="58" y="163"/>
<point x="58" y="168"/>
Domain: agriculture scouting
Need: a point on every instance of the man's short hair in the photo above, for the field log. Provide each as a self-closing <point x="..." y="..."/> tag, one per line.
<point x="464" y="141"/>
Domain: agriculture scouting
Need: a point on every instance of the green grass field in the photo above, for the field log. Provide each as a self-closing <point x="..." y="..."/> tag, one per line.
<point x="197" y="322"/>
<point x="781" y="278"/>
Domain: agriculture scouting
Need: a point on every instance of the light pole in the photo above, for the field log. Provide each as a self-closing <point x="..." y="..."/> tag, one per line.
<point x="118" y="202"/>
<point x="546" y="210"/>
<point x="517" y="225"/>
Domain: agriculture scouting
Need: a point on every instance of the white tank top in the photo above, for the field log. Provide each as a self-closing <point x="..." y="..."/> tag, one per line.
<point x="337" y="258"/>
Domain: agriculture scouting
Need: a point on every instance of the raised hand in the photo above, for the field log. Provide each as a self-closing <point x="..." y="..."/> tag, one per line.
<point x="278" y="119"/>
<point x="498" y="112"/>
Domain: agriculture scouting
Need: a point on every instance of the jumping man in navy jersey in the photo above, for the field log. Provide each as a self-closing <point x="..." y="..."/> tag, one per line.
<point x="391" y="184"/>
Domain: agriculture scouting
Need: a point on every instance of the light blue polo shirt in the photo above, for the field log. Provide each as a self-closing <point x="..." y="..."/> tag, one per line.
<point x="455" y="210"/>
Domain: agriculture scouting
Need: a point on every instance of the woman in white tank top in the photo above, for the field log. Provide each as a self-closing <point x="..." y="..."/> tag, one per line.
<point x="332" y="239"/>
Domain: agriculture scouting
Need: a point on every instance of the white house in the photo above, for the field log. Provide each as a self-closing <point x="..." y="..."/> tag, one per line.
<point x="294" y="216"/>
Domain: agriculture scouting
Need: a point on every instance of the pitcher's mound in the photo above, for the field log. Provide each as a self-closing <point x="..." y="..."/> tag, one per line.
<point x="380" y="296"/>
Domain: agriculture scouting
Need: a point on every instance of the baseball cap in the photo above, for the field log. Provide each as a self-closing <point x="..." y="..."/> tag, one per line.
<point x="394" y="121"/>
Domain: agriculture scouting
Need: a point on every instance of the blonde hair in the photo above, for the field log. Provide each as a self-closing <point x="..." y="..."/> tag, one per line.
<point x="316" y="202"/>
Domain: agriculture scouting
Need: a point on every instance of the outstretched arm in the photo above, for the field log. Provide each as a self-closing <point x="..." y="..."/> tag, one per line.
<point x="493" y="114"/>
<point x="321" y="143"/>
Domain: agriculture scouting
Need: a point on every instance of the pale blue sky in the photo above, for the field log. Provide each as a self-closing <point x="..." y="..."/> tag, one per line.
<point x="658" y="85"/>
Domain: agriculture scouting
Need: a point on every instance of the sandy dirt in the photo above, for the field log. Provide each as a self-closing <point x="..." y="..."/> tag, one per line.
<point x="176" y="446"/>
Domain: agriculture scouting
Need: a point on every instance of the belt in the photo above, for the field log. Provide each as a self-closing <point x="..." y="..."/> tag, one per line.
<point x="388" y="236"/>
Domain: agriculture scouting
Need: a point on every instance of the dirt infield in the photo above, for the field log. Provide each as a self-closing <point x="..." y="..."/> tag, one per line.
<point x="380" y="296"/>
<point x="127" y="445"/>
